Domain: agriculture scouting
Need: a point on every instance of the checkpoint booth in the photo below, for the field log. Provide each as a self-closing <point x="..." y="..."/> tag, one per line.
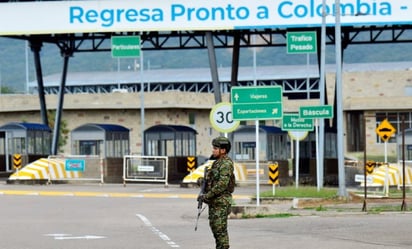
<point x="273" y="149"/>
<point x="307" y="158"/>
<point x="177" y="143"/>
<point x="22" y="143"/>
<point x="104" y="145"/>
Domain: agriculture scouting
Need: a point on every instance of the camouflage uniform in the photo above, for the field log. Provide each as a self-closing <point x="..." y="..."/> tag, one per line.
<point x="220" y="183"/>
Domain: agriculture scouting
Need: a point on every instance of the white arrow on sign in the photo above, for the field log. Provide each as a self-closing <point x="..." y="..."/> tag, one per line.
<point x="236" y="97"/>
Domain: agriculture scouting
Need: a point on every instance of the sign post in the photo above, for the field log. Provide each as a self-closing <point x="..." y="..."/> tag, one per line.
<point x="385" y="130"/>
<point x="317" y="113"/>
<point x="130" y="47"/>
<point x="255" y="103"/>
<point x="297" y="128"/>
<point x="297" y="136"/>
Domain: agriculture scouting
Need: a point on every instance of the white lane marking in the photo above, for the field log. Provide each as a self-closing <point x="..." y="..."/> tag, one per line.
<point x="156" y="231"/>
<point x="57" y="234"/>
<point x="65" y="236"/>
<point x="86" y="237"/>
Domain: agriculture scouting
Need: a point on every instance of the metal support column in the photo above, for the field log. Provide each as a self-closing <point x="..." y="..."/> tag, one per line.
<point x="213" y="66"/>
<point x="235" y="59"/>
<point x="35" y="48"/>
<point x="57" y="121"/>
<point x="339" y="100"/>
<point x="322" y="95"/>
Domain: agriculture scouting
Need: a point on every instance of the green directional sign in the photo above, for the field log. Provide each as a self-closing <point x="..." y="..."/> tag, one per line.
<point x="256" y="103"/>
<point x="322" y="111"/>
<point x="292" y="122"/>
<point x="257" y="111"/>
<point x="301" y="42"/>
<point x="125" y="46"/>
<point x="261" y="94"/>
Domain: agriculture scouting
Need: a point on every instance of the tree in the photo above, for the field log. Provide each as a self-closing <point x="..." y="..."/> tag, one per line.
<point x="6" y="90"/>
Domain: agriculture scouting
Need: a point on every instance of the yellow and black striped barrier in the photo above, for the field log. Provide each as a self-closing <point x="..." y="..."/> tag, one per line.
<point x="17" y="161"/>
<point x="191" y="163"/>
<point x="274" y="173"/>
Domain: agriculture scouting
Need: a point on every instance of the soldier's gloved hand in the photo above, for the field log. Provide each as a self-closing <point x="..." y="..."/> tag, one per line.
<point x="200" y="181"/>
<point x="202" y="198"/>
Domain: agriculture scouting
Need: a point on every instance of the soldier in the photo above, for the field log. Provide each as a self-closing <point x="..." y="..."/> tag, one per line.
<point x="220" y="184"/>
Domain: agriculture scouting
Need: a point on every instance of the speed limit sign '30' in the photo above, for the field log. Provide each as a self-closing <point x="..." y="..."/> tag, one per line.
<point x="221" y="118"/>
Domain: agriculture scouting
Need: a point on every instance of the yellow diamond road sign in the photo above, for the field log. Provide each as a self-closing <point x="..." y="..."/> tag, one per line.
<point x="385" y="130"/>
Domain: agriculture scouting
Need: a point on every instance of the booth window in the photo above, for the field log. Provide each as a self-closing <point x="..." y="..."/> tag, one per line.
<point x="29" y="139"/>
<point x="170" y="140"/>
<point x="105" y="140"/>
<point x="2" y="143"/>
<point x="89" y="148"/>
<point x="17" y="145"/>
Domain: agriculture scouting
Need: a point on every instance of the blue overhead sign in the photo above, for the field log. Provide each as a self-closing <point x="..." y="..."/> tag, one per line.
<point x="18" y="18"/>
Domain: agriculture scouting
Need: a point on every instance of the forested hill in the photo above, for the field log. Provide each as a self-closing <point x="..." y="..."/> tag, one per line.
<point x="16" y="62"/>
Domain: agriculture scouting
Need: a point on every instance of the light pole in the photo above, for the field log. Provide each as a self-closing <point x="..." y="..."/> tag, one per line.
<point x="256" y="126"/>
<point x="339" y="109"/>
<point x="142" y="109"/>
<point x="26" y="47"/>
<point x="321" y="144"/>
<point x="0" y="82"/>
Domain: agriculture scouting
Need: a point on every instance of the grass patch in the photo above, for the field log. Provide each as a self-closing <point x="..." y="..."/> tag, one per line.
<point x="302" y="192"/>
<point x="280" y="215"/>
<point x="321" y="208"/>
<point x="386" y="208"/>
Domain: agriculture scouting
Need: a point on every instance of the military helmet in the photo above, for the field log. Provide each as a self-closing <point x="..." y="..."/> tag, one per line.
<point x="222" y="143"/>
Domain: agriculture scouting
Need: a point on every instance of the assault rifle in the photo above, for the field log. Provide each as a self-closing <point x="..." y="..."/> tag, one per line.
<point x="199" y="201"/>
